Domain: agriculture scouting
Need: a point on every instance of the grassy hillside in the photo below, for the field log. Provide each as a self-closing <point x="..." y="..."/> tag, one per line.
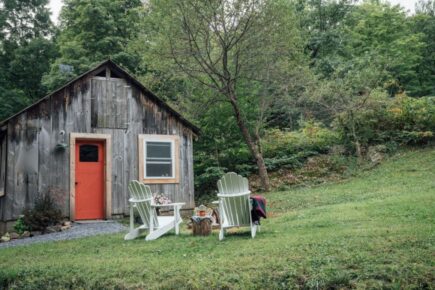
<point x="373" y="231"/>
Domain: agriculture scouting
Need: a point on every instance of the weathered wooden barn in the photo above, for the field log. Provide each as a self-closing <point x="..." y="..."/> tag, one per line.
<point x="84" y="142"/>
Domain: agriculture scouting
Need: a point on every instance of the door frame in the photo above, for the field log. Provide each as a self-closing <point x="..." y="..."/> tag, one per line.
<point x="107" y="141"/>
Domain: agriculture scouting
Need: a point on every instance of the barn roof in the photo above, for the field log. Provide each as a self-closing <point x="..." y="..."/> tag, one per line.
<point x="113" y="66"/>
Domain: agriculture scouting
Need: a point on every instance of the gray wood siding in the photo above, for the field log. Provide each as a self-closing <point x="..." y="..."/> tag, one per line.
<point x="89" y="105"/>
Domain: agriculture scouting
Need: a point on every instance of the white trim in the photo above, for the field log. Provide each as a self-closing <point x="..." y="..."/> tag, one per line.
<point x="175" y="155"/>
<point x="156" y="139"/>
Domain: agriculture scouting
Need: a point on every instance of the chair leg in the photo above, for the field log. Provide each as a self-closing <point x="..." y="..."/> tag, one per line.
<point x="221" y="234"/>
<point x="177" y="219"/>
<point x="253" y="230"/>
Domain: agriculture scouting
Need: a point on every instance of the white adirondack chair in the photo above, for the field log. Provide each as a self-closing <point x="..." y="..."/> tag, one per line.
<point x="142" y="200"/>
<point x="234" y="203"/>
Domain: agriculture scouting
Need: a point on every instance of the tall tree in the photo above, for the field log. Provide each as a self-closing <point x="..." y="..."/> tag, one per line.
<point x="247" y="52"/>
<point x="423" y="22"/>
<point x="26" y="50"/>
<point x="92" y="31"/>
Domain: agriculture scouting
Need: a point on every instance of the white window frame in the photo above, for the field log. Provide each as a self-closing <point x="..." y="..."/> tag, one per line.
<point x="175" y="148"/>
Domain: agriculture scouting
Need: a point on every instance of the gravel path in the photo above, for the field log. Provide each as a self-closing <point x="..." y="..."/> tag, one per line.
<point x="78" y="230"/>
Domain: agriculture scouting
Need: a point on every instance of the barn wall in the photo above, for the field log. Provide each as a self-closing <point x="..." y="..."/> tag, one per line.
<point x="35" y="165"/>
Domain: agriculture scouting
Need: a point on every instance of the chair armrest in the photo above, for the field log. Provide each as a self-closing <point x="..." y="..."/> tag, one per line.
<point x="169" y="204"/>
<point x="133" y="200"/>
<point x="234" y="194"/>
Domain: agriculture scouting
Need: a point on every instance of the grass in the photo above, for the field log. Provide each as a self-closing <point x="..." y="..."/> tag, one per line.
<point x="372" y="231"/>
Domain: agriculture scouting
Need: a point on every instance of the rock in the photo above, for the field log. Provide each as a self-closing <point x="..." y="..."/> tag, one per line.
<point x="53" y="229"/>
<point x="65" y="228"/>
<point x="67" y="224"/>
<point x="6" y="237"/>
<point x="14" y="236"/>
<point x="376" y="153"/>
<point x="35" y="233"/>
<point x="25" y="234"/>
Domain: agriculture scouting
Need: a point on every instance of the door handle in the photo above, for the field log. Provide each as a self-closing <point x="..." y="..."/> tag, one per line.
<point x="76" y="183"/>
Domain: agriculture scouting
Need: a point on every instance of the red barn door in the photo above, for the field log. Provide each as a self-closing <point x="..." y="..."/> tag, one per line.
<point x="89" y="191"/>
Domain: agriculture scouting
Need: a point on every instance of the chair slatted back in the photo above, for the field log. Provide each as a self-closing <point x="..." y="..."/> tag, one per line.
<point x="236" y="206"/>
<point x="141" y="191"/>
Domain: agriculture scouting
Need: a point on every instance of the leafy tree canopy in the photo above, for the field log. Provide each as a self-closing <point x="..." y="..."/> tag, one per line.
<point x="92" y="31"/>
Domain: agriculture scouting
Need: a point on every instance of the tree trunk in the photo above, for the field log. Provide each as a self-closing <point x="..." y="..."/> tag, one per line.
<point x="356" y="139"/>
<point x="262" y="170"/>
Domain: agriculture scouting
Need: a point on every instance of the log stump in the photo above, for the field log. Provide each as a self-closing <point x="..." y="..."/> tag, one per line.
<point x="201" y="226"/>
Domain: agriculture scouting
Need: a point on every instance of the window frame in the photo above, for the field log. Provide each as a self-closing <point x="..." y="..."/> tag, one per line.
<point x="175" y="153"/>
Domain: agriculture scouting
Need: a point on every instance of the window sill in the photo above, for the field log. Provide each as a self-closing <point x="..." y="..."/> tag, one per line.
<point x="160" y="180"/>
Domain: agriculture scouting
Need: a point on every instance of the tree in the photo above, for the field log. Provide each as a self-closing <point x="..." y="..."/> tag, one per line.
<point x="26" y="50"/>
<point x="91" y="32"/>
<point x="424" y="22"/>
<point x="247" y="52"/>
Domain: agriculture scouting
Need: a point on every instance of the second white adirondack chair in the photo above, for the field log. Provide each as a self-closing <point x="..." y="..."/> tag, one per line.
<point x="234" y="203"/>
<point x="142" y="200"/>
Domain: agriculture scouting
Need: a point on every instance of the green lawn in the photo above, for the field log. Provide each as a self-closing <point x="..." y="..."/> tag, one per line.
<point x="373" y="231"/>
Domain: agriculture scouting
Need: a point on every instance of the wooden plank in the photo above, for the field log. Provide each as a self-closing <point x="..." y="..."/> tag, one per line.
<point x="3" y="157"/>
<point x="44" y="147"/>
<point x="109" y="103"/>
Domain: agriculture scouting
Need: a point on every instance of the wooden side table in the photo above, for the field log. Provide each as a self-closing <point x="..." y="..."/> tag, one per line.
<point x="201" y="226"/>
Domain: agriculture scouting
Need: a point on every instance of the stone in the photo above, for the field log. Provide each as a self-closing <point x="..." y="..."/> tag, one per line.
<point x="65" y="228"/>
<point x="6" y="237"/>
<point x="25" y="234"/>
<point x="14" y="236"/>
<point x="35" y="233"/>
<point x="376" y="153"/>
<point x="53" y="229"/>
<point x="67" y="223"/>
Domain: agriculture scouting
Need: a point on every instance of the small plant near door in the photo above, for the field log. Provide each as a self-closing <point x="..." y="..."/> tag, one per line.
<point x="44" y="214"/>
<point x="20" y="226"/>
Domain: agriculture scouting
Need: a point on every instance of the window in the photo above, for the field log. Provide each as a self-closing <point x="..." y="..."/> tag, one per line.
<point x="88" y="153"/>
<point x="158" y="158"/>
<point x="3" y="162"/>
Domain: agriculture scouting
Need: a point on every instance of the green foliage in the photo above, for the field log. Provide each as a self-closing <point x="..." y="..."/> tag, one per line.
<point x="26" y="51"/>
<point x="91" y="32"/>
<point x="311" y="137"/>
<point x="423" y="22"/>
<point x="20" y="226"/>
<point x="44" y="213"/>
<point x="402" y="120"/>
<point x="373" y="231"/>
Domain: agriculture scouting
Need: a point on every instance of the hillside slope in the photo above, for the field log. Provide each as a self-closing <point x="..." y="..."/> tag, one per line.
<point x="372" y="231"/>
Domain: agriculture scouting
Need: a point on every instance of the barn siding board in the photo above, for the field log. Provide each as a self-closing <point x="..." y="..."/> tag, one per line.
<point x="118" y="107"/>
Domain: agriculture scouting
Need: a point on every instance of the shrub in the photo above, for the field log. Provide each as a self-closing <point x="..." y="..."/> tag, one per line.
<point x="205" y="183"/>
<point x="393" y="121"/>
<point x="20" y="226"/>
<point x="44" y="213"/>
<point x="313" y="138"/>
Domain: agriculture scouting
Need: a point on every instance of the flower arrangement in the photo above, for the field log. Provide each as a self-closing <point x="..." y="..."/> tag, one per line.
<point x="160" y="198"/>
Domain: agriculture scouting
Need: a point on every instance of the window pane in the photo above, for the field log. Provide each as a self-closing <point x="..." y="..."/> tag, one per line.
<point x="88" y="153"/>
<point x="158" y="150"/>
<point x="159" y="169"/>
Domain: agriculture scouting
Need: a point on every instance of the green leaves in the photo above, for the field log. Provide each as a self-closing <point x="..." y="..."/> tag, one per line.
<point x="93" y="31"/>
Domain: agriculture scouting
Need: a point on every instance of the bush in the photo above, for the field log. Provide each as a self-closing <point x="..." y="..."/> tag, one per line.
<point x="20" y="226"/>
<point x="313" y="138"/>
<point x="392" y="121"/>
<point x="205" y="183"/>
<point x="44" y="213"/>
<point x="291" y="149"/>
